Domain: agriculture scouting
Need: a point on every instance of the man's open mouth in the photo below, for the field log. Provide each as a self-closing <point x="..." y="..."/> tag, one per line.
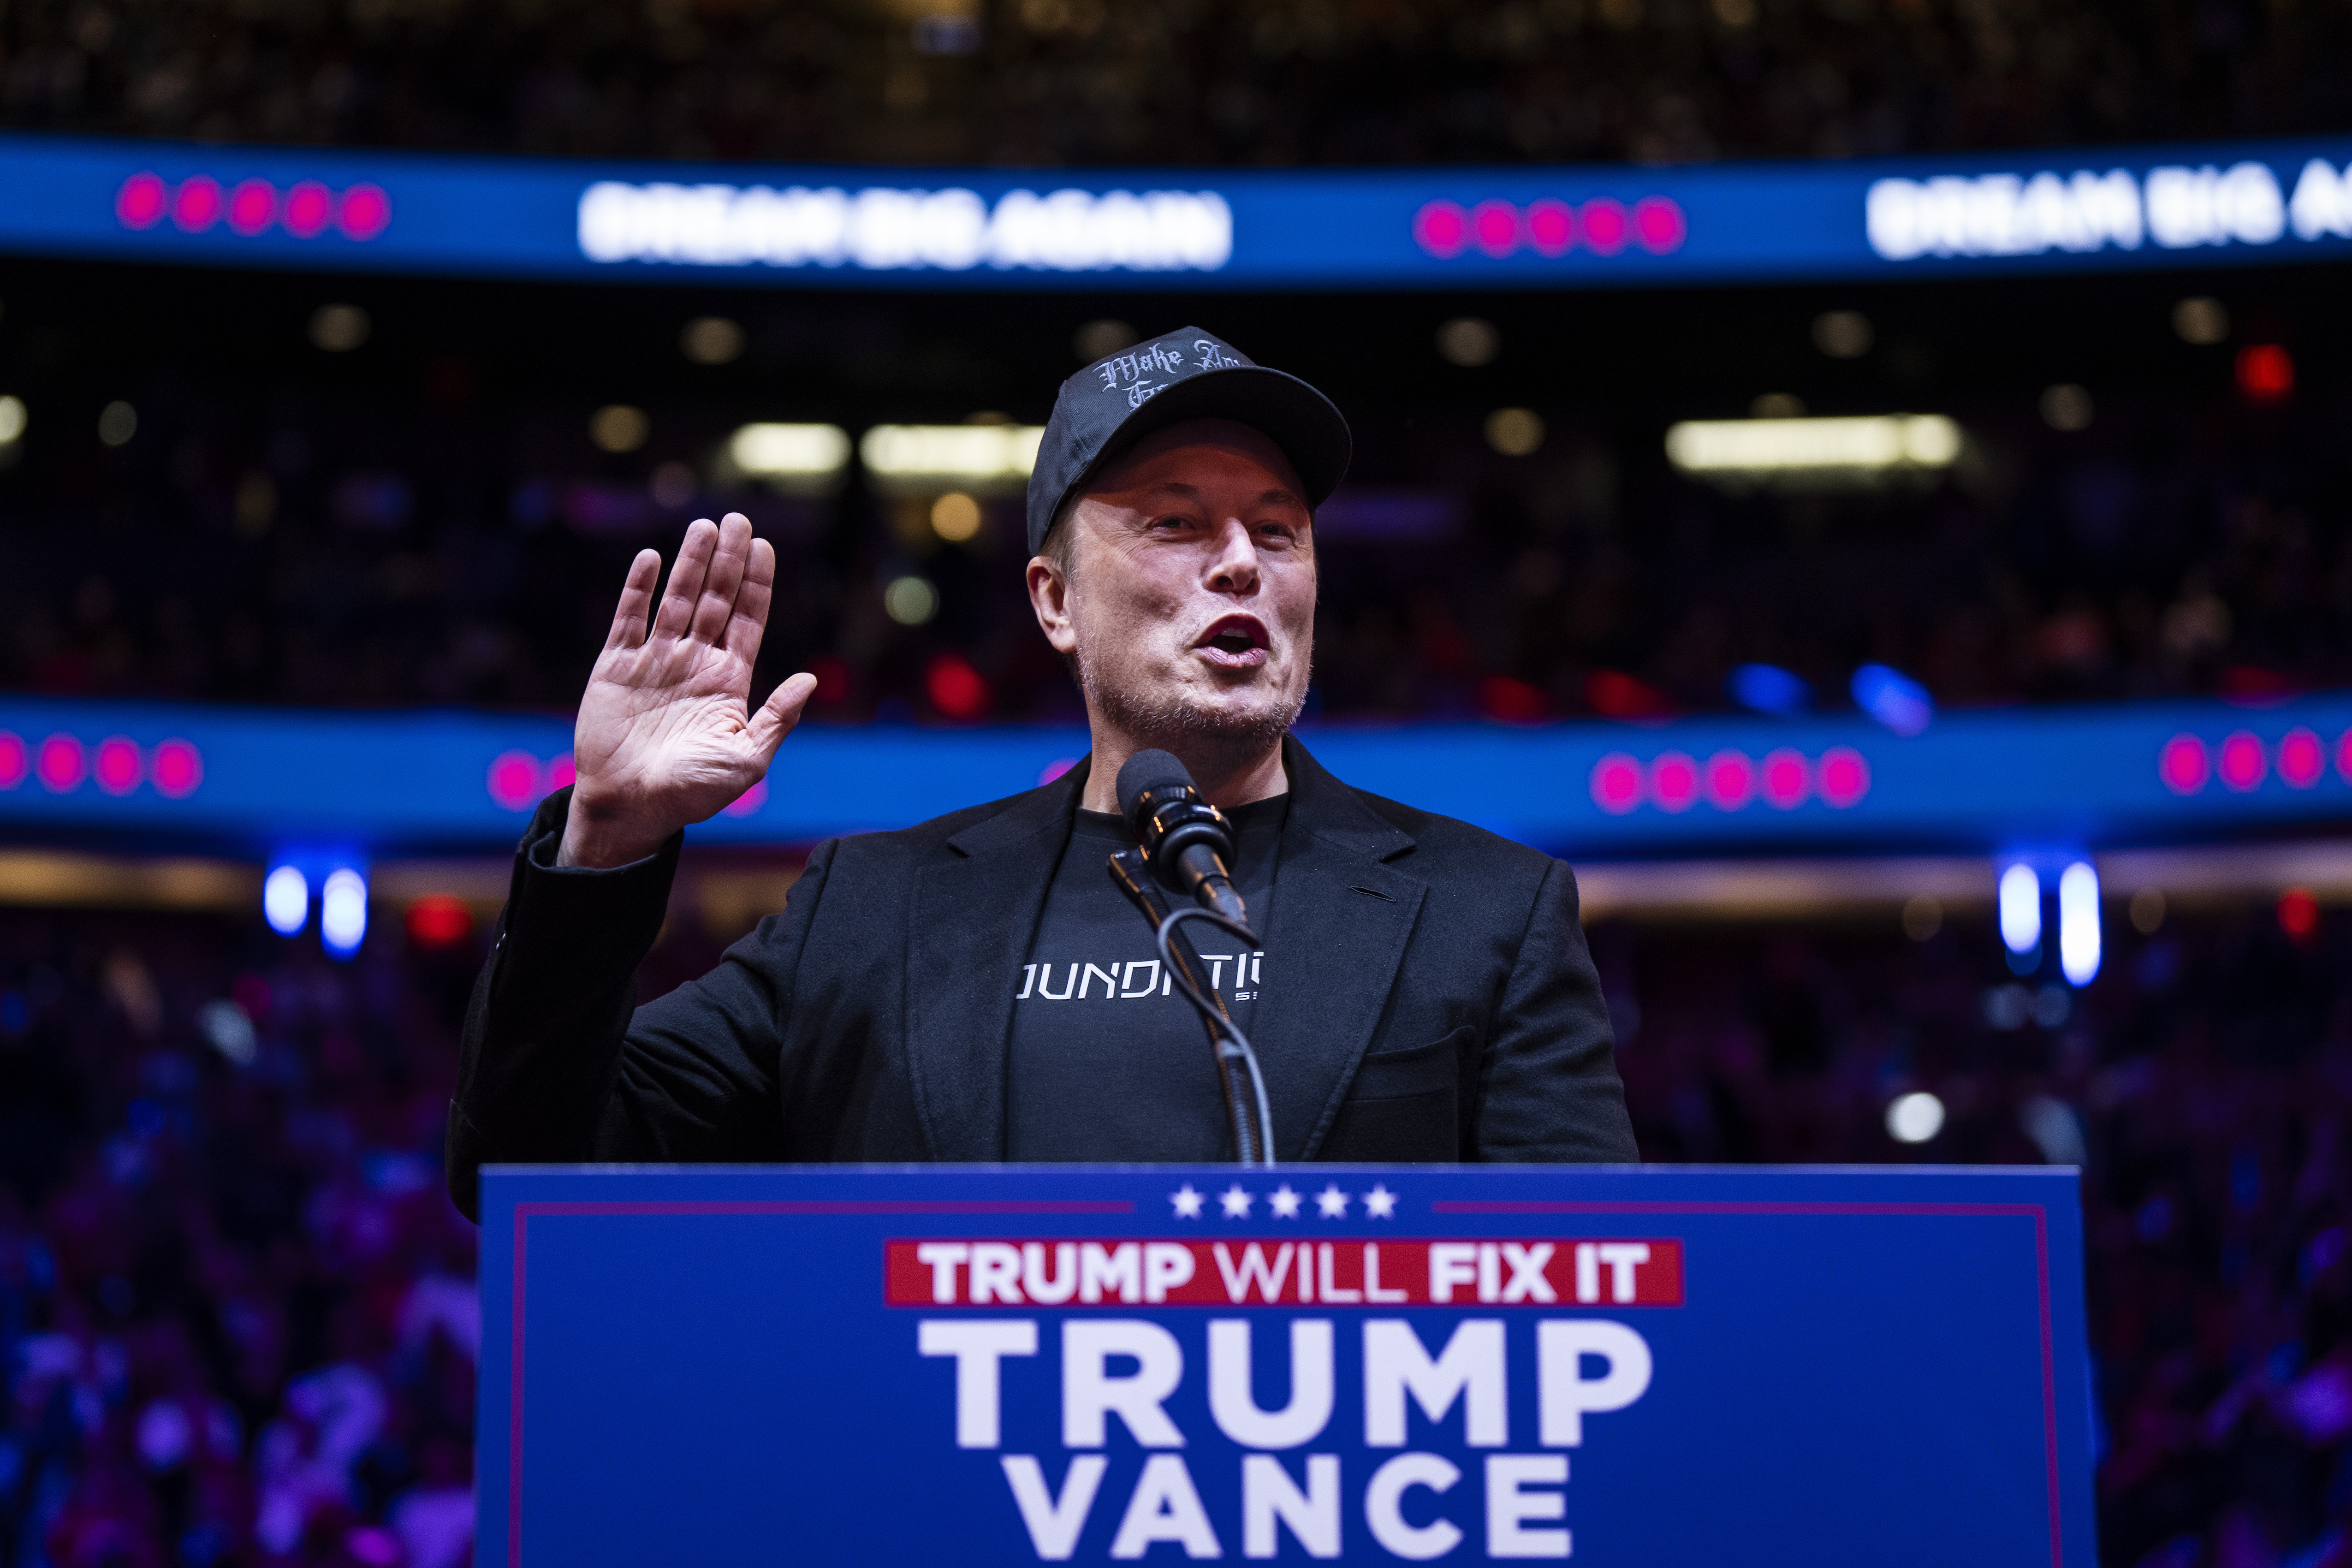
<point x="1234" y="642"/>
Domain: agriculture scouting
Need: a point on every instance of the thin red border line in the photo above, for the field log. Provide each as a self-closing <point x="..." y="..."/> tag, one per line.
<point x="2037" y="1211"/>
<point x="525" y="1212"/>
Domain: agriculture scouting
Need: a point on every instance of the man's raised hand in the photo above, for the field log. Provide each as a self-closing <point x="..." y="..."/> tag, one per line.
<point x="666" y="736"/>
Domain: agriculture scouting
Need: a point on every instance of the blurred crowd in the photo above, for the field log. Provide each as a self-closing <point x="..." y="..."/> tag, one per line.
<point x="1191" y="81"/>
<point x="236" y="1319"/>
<point x="2174" y="547"/>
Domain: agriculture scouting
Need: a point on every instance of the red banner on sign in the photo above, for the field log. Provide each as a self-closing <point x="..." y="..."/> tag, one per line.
<point x="1614" y="1272"/>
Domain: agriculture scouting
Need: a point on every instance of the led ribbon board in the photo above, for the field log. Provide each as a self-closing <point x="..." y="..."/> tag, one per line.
<point x="1518" y="227"/>
<point x="1010" y="1366"/>
<point x="202" y="775"/>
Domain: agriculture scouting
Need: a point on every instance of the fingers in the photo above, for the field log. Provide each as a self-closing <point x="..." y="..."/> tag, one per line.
<point x="637" y="599"/>
<point x="749" y="621"/>
<point x="780" y="713"/>
<point x="716" y="604"/>
<point x="686" y="578"/>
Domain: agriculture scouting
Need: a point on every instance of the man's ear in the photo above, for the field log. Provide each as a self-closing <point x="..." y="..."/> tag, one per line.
<point x="1049" y="596"/>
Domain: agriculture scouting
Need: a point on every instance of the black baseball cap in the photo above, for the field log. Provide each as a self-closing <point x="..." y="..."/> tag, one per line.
<point x="1184" y="375"/>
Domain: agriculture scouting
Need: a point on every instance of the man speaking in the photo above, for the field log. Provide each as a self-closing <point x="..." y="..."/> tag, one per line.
<point x="977" y="988"/>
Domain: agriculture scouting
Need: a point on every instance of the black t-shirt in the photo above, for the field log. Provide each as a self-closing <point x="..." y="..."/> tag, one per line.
<point x="1107" y="1062"/>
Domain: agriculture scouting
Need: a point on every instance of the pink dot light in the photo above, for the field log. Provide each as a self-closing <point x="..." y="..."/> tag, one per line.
<point x="118" y="764"/>
<point x="1674" y="782"/>
<point x="750" y="800"/>
<point x="177" y="769"/>
<point x="1788" y="778"/>
<point x="141" y="202"/>
<point x="2183" y="765"/>
<point x="561" y="773"/>
<point x="2301" y="759"/>
<point x="2344" y="757"/>
<point x="2244" y="762"/>
<point x="60" y="764"/>
<point x="364" y="212"/>
<point x="1056" y="769"/>
<point x="1845" y="777"/>
<point x="252" y="205"/>
<point x="309" y="207"/>
<point x="1616" y="783"/>
<point x="1604" y="223"/>
<point x="198" y="205"/>
<point x="15" y="762"/>
<point x="1495" y="226"/>
<point x="514" y="779"/>
<point x="1730" y="780"/>
<point x="1658" y="224"/>
<point x="1551" y="226"/>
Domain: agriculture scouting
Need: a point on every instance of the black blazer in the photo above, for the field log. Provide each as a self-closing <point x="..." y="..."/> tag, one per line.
<point x="1436" y="1001"/>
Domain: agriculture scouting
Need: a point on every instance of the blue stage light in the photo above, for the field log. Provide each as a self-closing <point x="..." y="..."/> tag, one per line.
<point x="1894" y="699"/>
<point x="2078" y="923"/>
<point x="343" y="911"/>
<point x="1768" y="689"/>
<point x="286" y="899"/>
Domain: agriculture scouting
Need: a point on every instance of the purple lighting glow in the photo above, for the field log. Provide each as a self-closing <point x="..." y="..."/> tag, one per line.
<point x="306" y="210"/>
<point x="1549" y="226"/>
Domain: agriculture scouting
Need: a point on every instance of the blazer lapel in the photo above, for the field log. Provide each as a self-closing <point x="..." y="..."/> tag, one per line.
<point x="1335" y="946"/>
<point x="974" y="919"/>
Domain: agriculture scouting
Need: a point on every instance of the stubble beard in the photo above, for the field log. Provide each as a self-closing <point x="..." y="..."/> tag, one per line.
<point x="1209" y="740"/>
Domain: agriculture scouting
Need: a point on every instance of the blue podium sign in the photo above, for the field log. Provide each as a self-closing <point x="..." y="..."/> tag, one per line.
<point x="1663" y="1367"/>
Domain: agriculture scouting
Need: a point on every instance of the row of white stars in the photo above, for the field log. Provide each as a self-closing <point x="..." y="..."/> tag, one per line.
<point x="1284" y="1202"/>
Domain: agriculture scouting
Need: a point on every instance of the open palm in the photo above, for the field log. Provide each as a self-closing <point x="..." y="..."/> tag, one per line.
<point x="667" y="735"/>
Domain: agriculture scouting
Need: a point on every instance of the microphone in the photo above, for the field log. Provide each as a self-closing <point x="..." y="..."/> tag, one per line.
<point x="1187" y="842"/>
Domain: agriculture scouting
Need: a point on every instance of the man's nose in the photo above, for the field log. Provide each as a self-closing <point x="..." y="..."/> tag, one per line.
<point x="1234" y="569"/>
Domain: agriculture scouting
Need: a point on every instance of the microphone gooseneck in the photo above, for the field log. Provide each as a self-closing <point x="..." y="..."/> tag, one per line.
<point x="1186" y="847"/>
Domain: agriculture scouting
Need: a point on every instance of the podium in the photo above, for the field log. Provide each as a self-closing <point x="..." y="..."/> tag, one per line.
<point x="1668" y="1367"/>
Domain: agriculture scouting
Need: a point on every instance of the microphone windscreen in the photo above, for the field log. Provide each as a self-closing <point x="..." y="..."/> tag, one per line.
<point x="1148" y="771"/>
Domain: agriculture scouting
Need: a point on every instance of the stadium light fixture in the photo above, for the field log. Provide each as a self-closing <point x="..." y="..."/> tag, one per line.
<point x="905" y="457"/>
<point x="1858" y="446"/>
<point x="790" y="450"/>
<point x="286" y="899"/>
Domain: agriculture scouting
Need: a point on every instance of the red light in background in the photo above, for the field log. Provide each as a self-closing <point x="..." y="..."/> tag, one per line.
<point x="364" y="212"/>
<point x="438" y="920"/>
<point x="514" y="779"/>
<point x="60" y="764"/>
<point x="750" y="800"/>
<point x="309" y="206"/>
<point x="14" y="764"/>
<point x="1605" y="228"/>
<point x="2184" y="765"/>
<point x="118" y="764"/>
<point x="1730" y="780"/>
<point x="1788" y="778"/>
<point x="1551" y="226"/>
<point x="197" y="205"/>
<point x="1616" y="695"/>
<point x="2301" y="759"/>
<point x="1512" y="701"/>
<point x="2298" y="914"/>
<point x="2244" y="762"/>
<point x="1495" y="226"/>
<point x="2265" y="373"/>
<point x="1616" y="783"/>
<point x="141" y="202"/>
<point x="955" y="688"/>
<point x="177" y="769"/>
<point x="1658" y="223"/>
<point x="832" y="679"/>
<point x="251" y="205"/>
<point x="1673" y="781"/>
<point x="1845" y="777"/>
